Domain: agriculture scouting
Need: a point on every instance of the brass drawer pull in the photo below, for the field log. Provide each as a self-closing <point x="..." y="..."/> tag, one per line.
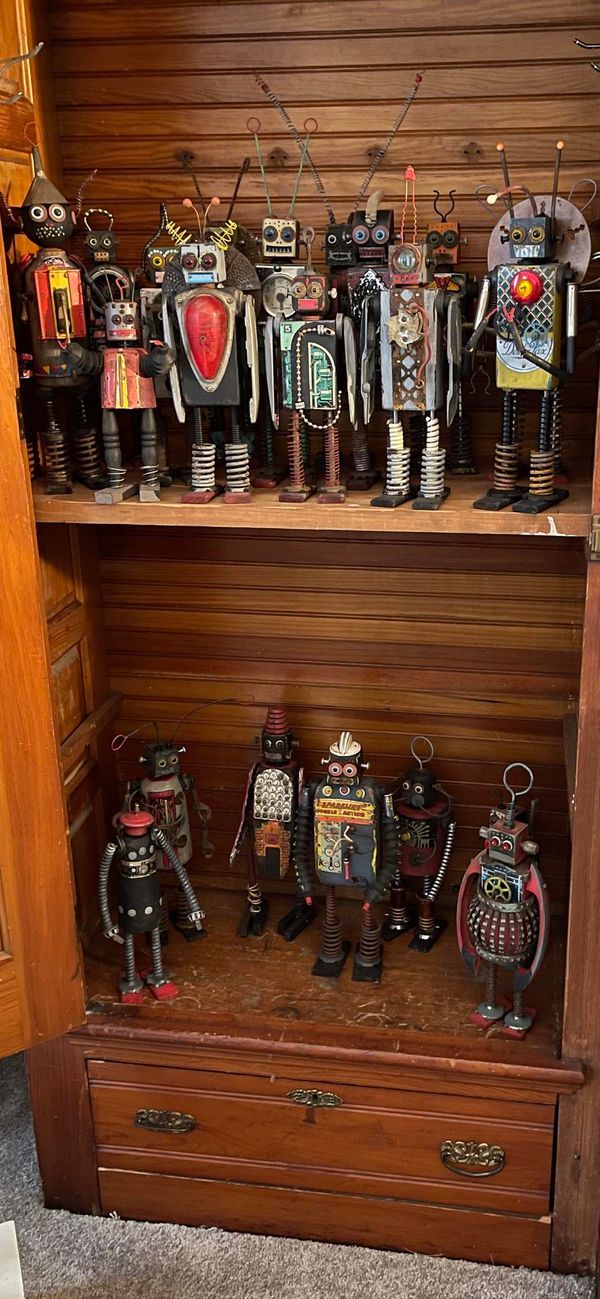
<point x="472" y="1158"/>
<point x="165" y="1121"/>
<point x="313" y="1098"/>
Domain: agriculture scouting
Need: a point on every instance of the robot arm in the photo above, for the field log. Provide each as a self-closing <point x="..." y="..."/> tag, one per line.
<point x="445" y="862"/>
<point x="110" y="930"/>
<point x="157" y="363"/>
<point x="302" y="841"/>
<point x="571" y="326"/>
<point x="480" y="321"/>
<point x="203" y="812"/>
<point x="194" y="913"/>
<point x="270" y="369"/>
<point x="169" y="337"/>
<point x="252" y="356"/>
<point x="389" y="853"/>
<point x="243" y="825"/>
<point x="554" y="370"/>
<point x="465" y="945"/>
<point x="536" y="886"/>
<point x="83" y="361"/>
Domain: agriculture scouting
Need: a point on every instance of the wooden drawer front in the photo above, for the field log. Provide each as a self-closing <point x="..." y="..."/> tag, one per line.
<point x="383" y="1143"/>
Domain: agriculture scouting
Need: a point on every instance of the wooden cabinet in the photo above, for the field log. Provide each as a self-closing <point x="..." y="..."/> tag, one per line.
<point x="481" y="630"/>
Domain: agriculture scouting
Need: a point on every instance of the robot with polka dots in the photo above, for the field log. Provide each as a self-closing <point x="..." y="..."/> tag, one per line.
<point x="137" y="854"/>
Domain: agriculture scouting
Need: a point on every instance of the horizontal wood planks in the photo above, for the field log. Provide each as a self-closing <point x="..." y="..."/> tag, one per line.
<point x="477" y="646"/>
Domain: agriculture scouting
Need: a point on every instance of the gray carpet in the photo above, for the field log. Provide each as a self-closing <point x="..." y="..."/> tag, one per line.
<point x="70" y="1257"/>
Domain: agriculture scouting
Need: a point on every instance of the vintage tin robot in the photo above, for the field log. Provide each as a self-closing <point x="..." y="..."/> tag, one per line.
<point x="54" y="298"/>
<point x="268" y="819"/>
<point x="136" y="852"/>
<point x="534" y="291"/>
<point x="425" y="841"/>
<point x="502" y="913"/>
<point x="442" y="244"/>
<point x="106" y="280"/>
<point x="217" y="359"/>
<point x="352" y="823"/>
<point x="127" y="372"/>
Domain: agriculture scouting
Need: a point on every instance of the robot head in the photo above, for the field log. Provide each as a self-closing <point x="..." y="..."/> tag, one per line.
<point x="161" y="758"/>
<point x="371" y="234"/>
<point x="121" y="321"/>
<point x="276" y="738"/>
<point x="47" y="218"/>
<point x="202" y="263"/>
<point x="339" y="248"/>
<point x="155" y="262"/>
<point x="532" y="238"/>
<point x="442" y="237"/>
<point x="407" y="263"/>
<point x="280" y="238"/>
<point x="310" y="294"/>
<point x="100" y="242"/>
<point x="508" y="836"/>
<point x="418" y="785"/>
<point x="344" y="764"/>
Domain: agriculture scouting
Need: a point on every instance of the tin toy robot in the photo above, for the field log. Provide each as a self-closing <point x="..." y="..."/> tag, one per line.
<point x="442" y="242"/>
<point x="425" y="841"/>
<point x="502" y="913"/>
<point x="126" y="371"/>
<point x="105" y="279"/>
<point x="533" y="292"/>
<point x="268" y="819"/>
<point x="54" y="298"/>
<point x="136" y="853"/>
<point x="216" y="358"/>
<point x="352" y="823"/>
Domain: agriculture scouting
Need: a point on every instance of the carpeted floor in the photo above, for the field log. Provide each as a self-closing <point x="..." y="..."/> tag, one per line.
<point x="70" y="1257"/>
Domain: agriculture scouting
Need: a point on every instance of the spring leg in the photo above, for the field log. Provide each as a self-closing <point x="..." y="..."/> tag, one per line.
<point x="369" y="953"/>
<point x="203" y="484"/>
<point x="489" y="1010"/>
<point x="257" y="909"/>
<point x="417" y="429"/>
<point x="364" y="473"/>
<point x="297" y="489"/>
<point x="399" y="918"/>
<point x="116" y="490"/>
<point x="432" y="492"/>
<point x="165" y="477"/>
<point x="334" y="950"/>
<point x="461" y="460"/>
<point x="158" y="979"/>
<point x="397" y="488"/>
<point x="237" y="465"/>
<point x="88" y="463"/>
<point x="130" y="986"/>
<point x="556" y="428"/>
<point x="518" y="1021"/>
<point x="506" y="461"/>
<point x="542" y="493"/>
<point x="55" y="448"/>
<point x="332" y="492"/>
<point x="150" y="485"/>
<point x="429" y="926"/>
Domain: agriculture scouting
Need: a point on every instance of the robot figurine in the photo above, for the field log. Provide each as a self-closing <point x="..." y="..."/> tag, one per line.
<point x="268" y="817"/>
<point x="425" y="841"/>
<point x="442" y="242"/>
<point x="355" y="844"/>
<point x="105" y="279"/>
<point x="533" y="289"/>
<point x="139" y="843"/>
<point x="502" y="913"/>
<point x="54" y="297"/>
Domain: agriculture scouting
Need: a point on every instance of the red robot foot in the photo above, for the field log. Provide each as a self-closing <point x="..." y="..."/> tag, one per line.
<point x="131" y="991"/>
<point x="487" y="1014"/>
<point x="164" y="991"/>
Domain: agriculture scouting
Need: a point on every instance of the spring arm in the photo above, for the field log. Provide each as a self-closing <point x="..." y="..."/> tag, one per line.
<point x="445" y="862"/>
<point x="203" y="812"/>
<point x="105" y="865"/>
<point x="181" y="873"/>
<point x="301" y="842"/>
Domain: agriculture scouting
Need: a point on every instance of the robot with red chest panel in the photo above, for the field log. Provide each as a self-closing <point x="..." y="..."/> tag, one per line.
<point x="502" y="913"/>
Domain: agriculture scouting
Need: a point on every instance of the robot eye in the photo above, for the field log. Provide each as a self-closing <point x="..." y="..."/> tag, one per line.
<point x="174" y="760"/>
<point x="92" y="242"/>
<point x="381" y="234"/>
<point x="536" y="234"/>
<point x="332" y="239"/>
<point x="269" y="233"/>
<point x="299" y="289"/>
<point x="38" y="213"/>
<point x="288" y="234"/>
<point x="406" y="784"/>
<point x="279" y="744"/>
<point x="495" y="841"/>
<point x="349" y="769"/>
<point x="189" y="261"/>
<point x="116" y="319"/>
<point x="57" y="212"/>
<point x="267" y="744"/>
<point x="450" y="238"/>
<point x="106" y="243"/>
<point x="162" y="762"/>
<point x="315" y="289"/>
<point x="507" y="845"/>
<point x="517" y="234"/>
<point x="360" y="234"/>
<point x="157" y="260"/>
<point x="335" y="769"/>
<point x="207" y="261"/>
<point x="434" y="238"/>
<point x="418" y="789"/>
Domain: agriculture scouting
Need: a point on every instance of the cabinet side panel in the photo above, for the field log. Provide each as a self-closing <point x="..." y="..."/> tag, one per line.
<point x="63" y="1126"/>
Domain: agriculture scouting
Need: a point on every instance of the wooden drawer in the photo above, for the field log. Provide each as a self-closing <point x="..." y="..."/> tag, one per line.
<point x="376" y="1143"/>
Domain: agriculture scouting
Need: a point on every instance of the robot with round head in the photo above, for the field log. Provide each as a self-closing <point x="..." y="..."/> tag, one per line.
<point x="352" y="824"/>
<point x="502" y="913"/>
<point x="268" y="818"/>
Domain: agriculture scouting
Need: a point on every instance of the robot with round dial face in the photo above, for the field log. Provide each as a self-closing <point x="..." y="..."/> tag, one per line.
<point x="502" y="913"/>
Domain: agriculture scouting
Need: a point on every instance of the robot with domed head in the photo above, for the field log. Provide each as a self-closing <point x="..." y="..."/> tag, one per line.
<point x="352" y="823"/>
<point x="268" y="818"/>
<point x="502" y="913"/>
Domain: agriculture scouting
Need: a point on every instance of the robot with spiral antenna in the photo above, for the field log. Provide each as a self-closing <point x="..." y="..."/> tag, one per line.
<point x="351" y="821"/>
<point x="502" y="913"/>
<point x="268" y="818"/>
<point x="534" y="294"/>
<point x="54" y="299"/>
<point x="215" y="358"/>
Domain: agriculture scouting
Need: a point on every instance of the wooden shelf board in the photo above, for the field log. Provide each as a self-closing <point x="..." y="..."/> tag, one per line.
<point x="262" y="988"/>
<point x="265" y="512"/>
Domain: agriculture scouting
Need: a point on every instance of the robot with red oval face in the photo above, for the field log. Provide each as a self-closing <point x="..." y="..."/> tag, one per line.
<point x="502" y="913"/>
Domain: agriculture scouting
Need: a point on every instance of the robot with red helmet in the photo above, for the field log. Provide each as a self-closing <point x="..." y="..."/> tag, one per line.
<point x="137" y="853"/>
<point x="268" y="817"/>
<point x="502" y="913"/>
<point x="425" y="842"/>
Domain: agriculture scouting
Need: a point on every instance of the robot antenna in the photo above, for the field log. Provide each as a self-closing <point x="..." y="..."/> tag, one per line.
<point x="517" y="766"/>
<point x="436" y="196"/>
<point x="427" y="741"/>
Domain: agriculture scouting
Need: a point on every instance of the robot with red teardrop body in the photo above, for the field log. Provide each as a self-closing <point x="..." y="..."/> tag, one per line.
<point x="502" y="913"/>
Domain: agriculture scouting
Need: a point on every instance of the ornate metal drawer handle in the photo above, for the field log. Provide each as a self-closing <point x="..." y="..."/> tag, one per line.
<point x="472" y="1158"/>
<point x="313" y="1098"/>
<point x="165" y="1121"/>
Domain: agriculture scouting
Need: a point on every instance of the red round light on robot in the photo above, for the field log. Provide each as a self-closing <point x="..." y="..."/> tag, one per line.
<point x="526" y="287"/>
<point x="136" y="822"/>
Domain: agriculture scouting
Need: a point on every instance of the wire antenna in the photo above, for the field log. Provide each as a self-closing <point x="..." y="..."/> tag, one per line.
<point x="241" y="173"/>
<point x="212" y="703"/>
<point x="560" y="144"/>
<point x="381" y="152"/>
<point x="253" y="125"/>
<point x="300" y="170"/>
<point x="283" y="113"/>
<point x="187" y="159"/>
<point x="120" y="740"/>
<point x="436" y="198"/>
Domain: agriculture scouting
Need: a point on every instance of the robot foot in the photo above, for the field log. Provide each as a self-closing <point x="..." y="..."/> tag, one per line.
<point x="93" y="484"/>
<point x="237" y="497"/>
<point x="253" y="922"/>
<point x="530" y="504"/>
<point x="430" y="502"/>
<point x="114" y="495"/>
<point x="295" y="921"/>
<point x="495" y="500"/>
<point x="189" y="932"/>
<point x="161" y="986"/>
<point x="461" y="468"/>
<point x="367" y="973"/>
<point x="391" y="500"/>
<point x="268" y="476"/>
<point x="149" y="494"/>
<point x="362" y="481"/>
<point x="131" y="991"/>
<point x="516" y="1025"/>
<point x="200" y="496"/>
<point x="331" y="495"/>
<point x="296" y="494"/>
<point x="485" y="1015"/>
<point x="59" y="489"/>
<point x="425" y="942"/>
<point x="331" y="969"/>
